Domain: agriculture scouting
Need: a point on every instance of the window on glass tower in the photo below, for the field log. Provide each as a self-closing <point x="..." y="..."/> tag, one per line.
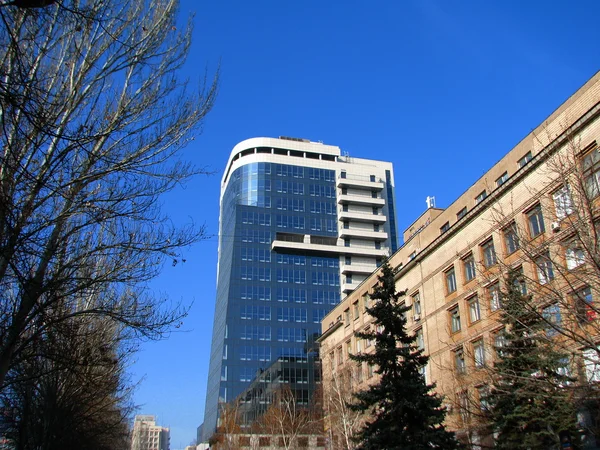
<point x="535" y="221"/>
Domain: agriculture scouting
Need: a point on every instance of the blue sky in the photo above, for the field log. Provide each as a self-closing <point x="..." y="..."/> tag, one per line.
<point x="443" y="89"/>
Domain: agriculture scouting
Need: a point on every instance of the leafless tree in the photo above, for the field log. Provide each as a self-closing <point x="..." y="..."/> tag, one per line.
<point x="92" y="121"/>
<point x="72" y="392"/>
<point x="342" y="422"/>
<point x="288" y="419"/>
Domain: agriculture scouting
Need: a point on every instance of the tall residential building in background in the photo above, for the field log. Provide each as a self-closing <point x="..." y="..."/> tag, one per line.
<point x="301" y="225"/>
<point x="147" y="435"/>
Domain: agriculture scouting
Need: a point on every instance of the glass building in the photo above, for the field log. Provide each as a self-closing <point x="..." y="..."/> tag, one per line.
<point x="300" y="226"/>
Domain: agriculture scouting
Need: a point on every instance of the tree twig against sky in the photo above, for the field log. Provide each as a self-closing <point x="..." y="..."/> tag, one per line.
<point x="92" y="117"/>
<point x="406" y="414"/>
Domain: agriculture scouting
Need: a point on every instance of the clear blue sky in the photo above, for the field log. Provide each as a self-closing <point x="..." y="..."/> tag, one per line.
<point x="443" y="89"/>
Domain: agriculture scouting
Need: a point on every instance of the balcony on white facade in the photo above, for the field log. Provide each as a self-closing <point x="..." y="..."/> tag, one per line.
<point x="363" y="234"/>
<point x="318" y="244"/>
<point x="349" y="287"/>
<point x="365" y="269"/>
<point x="344" y="199"/>
<point x="360" y="181"/>
<point x="362" y="217"/>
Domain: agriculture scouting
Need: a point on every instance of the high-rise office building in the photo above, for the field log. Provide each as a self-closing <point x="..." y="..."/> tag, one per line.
<point x="147" y="435"/>
<point x="301" y="225"/>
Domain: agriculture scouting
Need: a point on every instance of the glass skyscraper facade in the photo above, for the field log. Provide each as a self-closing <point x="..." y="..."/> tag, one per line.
<point x="282" y="258"/>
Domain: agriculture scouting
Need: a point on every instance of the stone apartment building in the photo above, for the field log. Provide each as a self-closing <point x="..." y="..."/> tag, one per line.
<point x="453" y="262"/>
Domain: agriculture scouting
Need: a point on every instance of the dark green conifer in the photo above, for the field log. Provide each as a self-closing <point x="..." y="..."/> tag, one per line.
<point x="530" y="402"/>
<point x="405" y="413"/>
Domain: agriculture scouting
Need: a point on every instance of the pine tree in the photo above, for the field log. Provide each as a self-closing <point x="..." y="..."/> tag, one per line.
<point x="406" y="413"/>
<point x="530" y="402"/>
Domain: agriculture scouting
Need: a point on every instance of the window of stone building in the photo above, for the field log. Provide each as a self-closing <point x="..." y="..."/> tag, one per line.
<point x="455" y="319"/>
<point x="488" y="253"/>
<point x="524" y="160"/>
<point x="416" y="304"/>
<point x="584" y="305"/>
<point x="479" y="353"/>
<point x="462" y="213"/>
<point x="511" y="238"/>
<point x="474" y="309"/>
<point x="450" y="277"/>
<point x="502" y="179"/>
<point x="535" y="220"/>
<point x="459" y="361"/>
<point x="493" y="295"/>
<point x="553" y="318"/>
<point x="544" y="268"/>
<point x="563" y="203"/>
<point x="469" y="267"/>
<point x="482" y="196"/>
<point x="574" y="256"/>
<point x="591" y="172"/>
<point x="444" y="227"/>
<point x="420" y="341"/>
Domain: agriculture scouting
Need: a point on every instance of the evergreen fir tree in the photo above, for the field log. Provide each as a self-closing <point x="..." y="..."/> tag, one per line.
<point x="406" y="413"/>
<point x="530" y="402"/>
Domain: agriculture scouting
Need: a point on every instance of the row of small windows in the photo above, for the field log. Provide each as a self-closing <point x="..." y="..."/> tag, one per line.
<point x="321" y="224"/>
<point x="484" y="194"/>
<point x="284" y="314"/>
<point x="257" y="273"/>
<point x="296" y="276"/>
<point x="510" y="236"/>
<point x="255" y="333"/>
<point x="319" y="190"/>
<point x="255" y="353"/>
<point x="289" y="295"/>
<point x="255" y="254"/>
<point x="257" y="236"/>
<point x="289" y="187"/>
<point x="256" y="218"/>
<point x="263" y="333"/>
<point x="291" y="222"/>
<point x="582" y="300"/>
<point x="249" y="292"/>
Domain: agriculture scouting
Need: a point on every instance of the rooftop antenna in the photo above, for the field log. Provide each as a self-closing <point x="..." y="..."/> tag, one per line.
<point x="430" y="202"/>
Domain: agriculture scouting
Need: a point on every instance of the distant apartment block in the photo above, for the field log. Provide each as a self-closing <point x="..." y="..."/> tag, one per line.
<point x="517" y="216"/>
<point x="147" y="435"/>
<point x="301" y="225"/>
